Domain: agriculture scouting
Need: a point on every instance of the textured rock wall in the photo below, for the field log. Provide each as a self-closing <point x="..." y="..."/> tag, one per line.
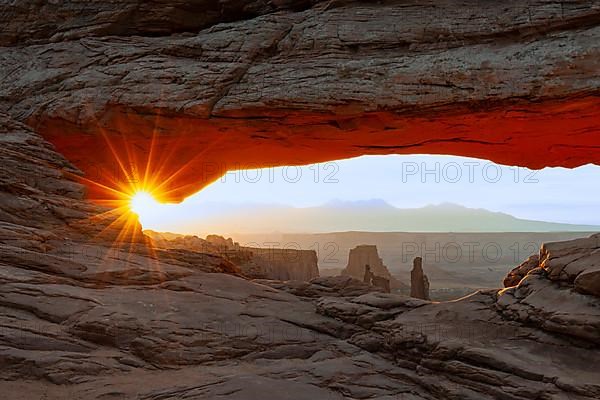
<point x="575" y="263"/>
<point x="419" y="283"/>
<point x="54" y="21"/>
<point x="254" y="262"/>
<point x="367" y="255"/>
<point x="200" y="87"/>
<point x="519" y="272"/>
<point x="284" y="264"/>
<point x="89" y="309"/>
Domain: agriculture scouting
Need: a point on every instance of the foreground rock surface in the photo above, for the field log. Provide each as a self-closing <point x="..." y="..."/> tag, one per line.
<point x="574" y="262"/>
<point x="90" y="310"/>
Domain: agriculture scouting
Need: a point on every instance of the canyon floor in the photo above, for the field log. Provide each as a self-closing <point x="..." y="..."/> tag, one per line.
<point x="465" y="261"/>
<point x="91" y="310"/>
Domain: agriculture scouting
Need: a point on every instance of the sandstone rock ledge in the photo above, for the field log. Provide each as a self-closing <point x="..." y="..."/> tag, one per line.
<point x="289" y="82"/>
<point x="253" y="262"/>
<point x="86" y="316"/>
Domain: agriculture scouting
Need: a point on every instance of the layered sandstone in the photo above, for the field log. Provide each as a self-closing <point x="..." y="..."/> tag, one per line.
<point x="574" y="262"/>
<point x="90" y="309"/>
<point x="327" y="286"/>
<point x="419" y="283"/>
<point x="254" y="262"/>
<point x="181" y="91"/>
<point x="515" y="275"/>
<point x="363" y="255"/>
<point x="282" y="264"/>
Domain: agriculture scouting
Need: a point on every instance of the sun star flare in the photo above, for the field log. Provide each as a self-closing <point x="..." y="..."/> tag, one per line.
<point x="143" y="203"/>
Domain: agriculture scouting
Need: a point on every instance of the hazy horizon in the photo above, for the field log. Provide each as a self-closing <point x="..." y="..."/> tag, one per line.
<point x="555" y="195"/>
<point x="374" y="215"/>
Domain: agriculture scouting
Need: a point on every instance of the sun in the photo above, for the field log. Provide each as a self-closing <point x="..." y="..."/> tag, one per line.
<point x="143" y="203"/>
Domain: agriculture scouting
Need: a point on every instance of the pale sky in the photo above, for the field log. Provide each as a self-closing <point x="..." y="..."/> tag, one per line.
<point x="551" y="194"/>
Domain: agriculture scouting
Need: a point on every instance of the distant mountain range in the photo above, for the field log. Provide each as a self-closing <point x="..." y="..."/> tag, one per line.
<point x="370" y="215"/>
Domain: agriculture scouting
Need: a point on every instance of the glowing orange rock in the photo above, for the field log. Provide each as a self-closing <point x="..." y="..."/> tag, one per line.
<point x="137" y="105"/>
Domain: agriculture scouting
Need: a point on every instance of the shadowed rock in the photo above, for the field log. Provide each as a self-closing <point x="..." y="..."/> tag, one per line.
<point x="374" y="280"/>
<point x="514" y="276"/>
<point x="87" y="316"/>
<point x="419" y="284"/>
<point x="253" y="262"/>
<point x="382" y="283"/>
<point x="366" y="255"/>
<point x="368" y="277"/>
